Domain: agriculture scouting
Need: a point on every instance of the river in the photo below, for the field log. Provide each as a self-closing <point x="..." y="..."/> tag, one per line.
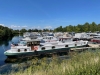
<point x="5" y="45"/>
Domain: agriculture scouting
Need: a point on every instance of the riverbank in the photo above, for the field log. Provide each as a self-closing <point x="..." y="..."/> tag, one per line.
<point x="85" y="63"/>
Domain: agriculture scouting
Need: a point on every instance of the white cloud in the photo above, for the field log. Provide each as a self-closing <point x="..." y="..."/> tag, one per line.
<point x="48" y="27"/>
<point x="17" y="27"/>
<point x="24" y="26"/>
<point x="13" y="26"/>
<point x="2" y="24"/>
<point x="38" y="27"/>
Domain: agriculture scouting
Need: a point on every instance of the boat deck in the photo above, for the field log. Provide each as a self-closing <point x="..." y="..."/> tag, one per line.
<point x="91" y="46"/>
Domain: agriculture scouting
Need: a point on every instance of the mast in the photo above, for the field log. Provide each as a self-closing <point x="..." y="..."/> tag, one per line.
<point x="19" y="36"/>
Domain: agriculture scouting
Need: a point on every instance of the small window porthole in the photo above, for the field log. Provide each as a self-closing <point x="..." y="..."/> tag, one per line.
<point x="75" y="44"/>
<point x="84" y="43"/>
<point x="25" y="50"/>
<point x="18" y="50"/>
<point x="66" y="45"/>
<point x="53" y="47"/>
<point x="43" y="48"/>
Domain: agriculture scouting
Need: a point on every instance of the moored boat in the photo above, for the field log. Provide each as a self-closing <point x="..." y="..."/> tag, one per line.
<point x="96" y="39"/>
<point x="34" y="47"/>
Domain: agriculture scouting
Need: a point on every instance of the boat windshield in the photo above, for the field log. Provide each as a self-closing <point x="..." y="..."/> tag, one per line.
<point x="23" y="42"/>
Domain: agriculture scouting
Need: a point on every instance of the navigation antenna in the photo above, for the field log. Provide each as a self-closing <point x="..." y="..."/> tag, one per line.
<point x="19" y="36"/>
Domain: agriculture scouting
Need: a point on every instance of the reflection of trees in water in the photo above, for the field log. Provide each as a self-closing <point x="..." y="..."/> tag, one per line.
<point x="6" y="41"/>
<point x="18" y="35"/>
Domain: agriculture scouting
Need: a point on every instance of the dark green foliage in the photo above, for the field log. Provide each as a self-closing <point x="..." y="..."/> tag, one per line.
<point x="5" y="32"/>
<point x="23" y="30"/>
<point x="79" y="28"/>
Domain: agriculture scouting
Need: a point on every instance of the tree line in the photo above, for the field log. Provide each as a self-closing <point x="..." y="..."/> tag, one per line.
<point x="31" y="30"/>
<point x="86" y="27"/>
<point x="5" y="32"/>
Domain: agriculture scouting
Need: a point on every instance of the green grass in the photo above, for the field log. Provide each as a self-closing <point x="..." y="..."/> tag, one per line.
<point x="86" y="63"/>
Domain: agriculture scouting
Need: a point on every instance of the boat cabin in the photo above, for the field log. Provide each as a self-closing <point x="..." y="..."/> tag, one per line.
<point x="67" y="39"/>
<point x="33" y="43"/>
<point x="96" y="37"/>
<point x="48" y="37"/>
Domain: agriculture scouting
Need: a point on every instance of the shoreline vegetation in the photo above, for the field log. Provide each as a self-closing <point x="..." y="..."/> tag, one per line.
<point x="6" y="32"/>
<point x="86" y="27"/>
<point x="84" y="63"/>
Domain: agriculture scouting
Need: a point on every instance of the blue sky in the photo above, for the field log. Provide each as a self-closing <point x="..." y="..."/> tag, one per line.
<point x="48" y="13"/>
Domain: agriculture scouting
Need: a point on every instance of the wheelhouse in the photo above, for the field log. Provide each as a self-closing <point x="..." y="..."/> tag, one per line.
<point x="33" y="43"/>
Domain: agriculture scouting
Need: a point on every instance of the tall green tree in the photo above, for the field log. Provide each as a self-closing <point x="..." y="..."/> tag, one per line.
<point x="23" y="30"/>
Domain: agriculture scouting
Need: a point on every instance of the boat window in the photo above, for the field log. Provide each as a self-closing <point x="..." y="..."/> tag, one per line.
<point x="35" y="42"/>
<point x="18" y="50"/>
<point x="53" y="47"/>
<point x="75" y="44"/>
<point x="25" y="50"/>
<point x="66" y="45"/>
<point x="28" y="44"/>
<point x="43" y="48"/>
<point x="32" y="42"/>
<point x="42" y="41"/>
<point x="41" y="45"/>
<point x="38" y="42"/>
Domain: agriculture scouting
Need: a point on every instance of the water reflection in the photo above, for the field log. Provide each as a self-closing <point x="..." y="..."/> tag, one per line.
<point x="6" y="41"/>
<point x="5" y="45"/>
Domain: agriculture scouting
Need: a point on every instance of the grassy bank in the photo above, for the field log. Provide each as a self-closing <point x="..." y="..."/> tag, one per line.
<point x="87" y="63"/>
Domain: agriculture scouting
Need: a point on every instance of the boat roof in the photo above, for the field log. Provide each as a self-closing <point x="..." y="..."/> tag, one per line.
<point x="96" y="36"/>
<point x="45" y="44"/>
<point x="65" y="37"/>
<point x="33" y="40"/>
<point x="48" y="36"/>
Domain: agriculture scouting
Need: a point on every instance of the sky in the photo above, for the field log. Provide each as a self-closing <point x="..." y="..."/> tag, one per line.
<point x="49" y="14"/>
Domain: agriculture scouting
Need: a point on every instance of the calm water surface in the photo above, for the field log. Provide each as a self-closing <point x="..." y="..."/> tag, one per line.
<point x="5" y="45"/>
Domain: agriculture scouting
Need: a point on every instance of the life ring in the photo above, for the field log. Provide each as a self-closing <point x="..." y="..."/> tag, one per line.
<point x="35" y="48"/>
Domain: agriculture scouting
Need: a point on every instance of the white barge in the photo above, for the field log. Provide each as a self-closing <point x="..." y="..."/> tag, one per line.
<point x="34" y="47"/>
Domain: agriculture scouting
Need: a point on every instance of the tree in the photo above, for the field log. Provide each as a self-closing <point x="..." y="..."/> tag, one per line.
<point x="29" y="30"/>
<point x="58" y="29"/>
<point x="23" y="30"/>
<point x="86" y="27"/>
